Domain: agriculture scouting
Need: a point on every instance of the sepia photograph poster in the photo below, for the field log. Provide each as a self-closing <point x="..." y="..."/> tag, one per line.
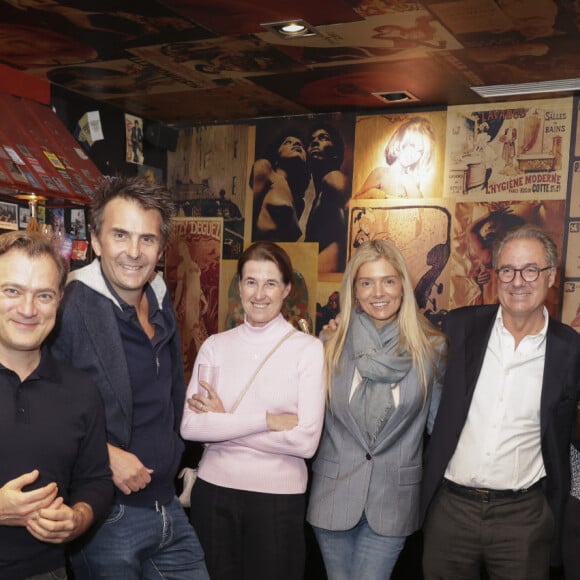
<point x="399" y="156"/>
<point x="192" y="271"/>
<point x="300" y="184"/>
<point x="518" y="150"/>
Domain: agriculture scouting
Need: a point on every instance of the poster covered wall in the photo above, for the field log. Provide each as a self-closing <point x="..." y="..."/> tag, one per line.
<point x="477" y="171"/>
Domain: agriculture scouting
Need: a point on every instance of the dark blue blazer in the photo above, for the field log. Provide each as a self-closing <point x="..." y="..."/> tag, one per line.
<point x="469" y="330"/>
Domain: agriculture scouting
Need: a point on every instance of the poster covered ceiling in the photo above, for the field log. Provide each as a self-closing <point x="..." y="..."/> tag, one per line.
<point x="184" y="61"/>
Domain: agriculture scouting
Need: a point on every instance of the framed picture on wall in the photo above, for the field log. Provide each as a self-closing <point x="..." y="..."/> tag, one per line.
<point x="23" y="216"/>
<point x="8" y="216"/>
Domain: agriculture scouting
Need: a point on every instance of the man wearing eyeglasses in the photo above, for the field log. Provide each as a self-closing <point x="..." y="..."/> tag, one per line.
<point x="497" y="465"/>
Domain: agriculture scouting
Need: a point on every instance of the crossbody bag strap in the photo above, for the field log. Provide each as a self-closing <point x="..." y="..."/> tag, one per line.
<point x="259" y="368"/>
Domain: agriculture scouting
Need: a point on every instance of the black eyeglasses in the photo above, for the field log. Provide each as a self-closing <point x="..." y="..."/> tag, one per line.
<point x="506" y="274"/>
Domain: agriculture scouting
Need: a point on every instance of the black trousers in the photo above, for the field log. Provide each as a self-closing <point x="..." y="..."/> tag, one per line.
<point x="248" y="535"/>
<point x="571" y="539"/>
<point x="509" y="538"/>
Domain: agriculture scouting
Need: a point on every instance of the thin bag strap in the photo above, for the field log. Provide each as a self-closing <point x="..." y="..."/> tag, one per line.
<point x="259" y="368"/>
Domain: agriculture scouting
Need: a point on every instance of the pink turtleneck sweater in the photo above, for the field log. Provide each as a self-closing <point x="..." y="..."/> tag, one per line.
<point x="242" y="452"/>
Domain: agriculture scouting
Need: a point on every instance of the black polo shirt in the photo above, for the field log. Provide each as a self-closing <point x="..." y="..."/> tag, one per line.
<point x="52" y="421"/>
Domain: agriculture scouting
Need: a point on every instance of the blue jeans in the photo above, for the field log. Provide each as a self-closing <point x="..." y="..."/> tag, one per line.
<point x="142" y="543"/>
<point x="358" y="552"/>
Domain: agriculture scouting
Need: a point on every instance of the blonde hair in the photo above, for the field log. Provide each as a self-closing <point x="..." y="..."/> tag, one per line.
<point x="415" y="331"/>
<point x="420" y="128"/>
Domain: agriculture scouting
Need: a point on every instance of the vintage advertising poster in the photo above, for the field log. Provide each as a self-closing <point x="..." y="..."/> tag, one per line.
<point x="509" y="150"/>
<point x="422" y="233"/>
<point x="301" y="303"/>
<point x="192" y="270"/>
<point x="207" y="177"/>
<point x="399" y="156"/>
<point x="476" y="226"/>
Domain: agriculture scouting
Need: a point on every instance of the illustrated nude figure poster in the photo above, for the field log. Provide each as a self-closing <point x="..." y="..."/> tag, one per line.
<point x="192" y="270"/>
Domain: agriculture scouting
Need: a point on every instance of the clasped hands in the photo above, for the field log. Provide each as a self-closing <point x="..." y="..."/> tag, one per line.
<point x="41" y="511"/>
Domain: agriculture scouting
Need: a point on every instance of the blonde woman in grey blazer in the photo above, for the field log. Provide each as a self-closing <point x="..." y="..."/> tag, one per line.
<point x="383" y="366"/>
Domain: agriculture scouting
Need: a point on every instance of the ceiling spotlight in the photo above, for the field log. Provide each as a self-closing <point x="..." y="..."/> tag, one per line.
<point x="291" y="28"/>
<point x="393" y="97"/>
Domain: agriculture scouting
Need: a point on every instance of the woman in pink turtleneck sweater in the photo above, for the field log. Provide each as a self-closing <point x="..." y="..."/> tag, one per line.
<point x="247" y="504"/>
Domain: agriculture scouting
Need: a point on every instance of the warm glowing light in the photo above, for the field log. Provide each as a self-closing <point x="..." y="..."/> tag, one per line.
<point x="293" y="28"/>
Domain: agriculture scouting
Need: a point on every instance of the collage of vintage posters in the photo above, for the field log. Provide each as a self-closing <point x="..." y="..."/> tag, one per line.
<point x="192" y="271"/>
<point x="398" y="196"/>
<point x="441" y="185"/>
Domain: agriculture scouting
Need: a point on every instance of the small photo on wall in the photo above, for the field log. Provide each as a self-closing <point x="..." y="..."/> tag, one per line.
<point x="23" y="216"/>
<point x="134" y="139"/>
<point x="78" y="224"/>
<point x="8" y="216"/>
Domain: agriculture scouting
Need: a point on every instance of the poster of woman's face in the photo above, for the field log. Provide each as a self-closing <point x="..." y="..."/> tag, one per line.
<point x="399" y="156"/>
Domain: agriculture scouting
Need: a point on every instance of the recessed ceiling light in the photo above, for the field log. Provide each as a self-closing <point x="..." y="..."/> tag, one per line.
<point x="556" y="86"/>
<point x="291" y="28"/>
<point x="394" y="97"/>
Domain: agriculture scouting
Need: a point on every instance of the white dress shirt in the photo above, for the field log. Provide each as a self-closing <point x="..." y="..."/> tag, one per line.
<point x="499" y="447"/>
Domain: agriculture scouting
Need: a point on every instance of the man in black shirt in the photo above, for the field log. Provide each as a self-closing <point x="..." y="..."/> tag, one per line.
<point x="54" y="474"/>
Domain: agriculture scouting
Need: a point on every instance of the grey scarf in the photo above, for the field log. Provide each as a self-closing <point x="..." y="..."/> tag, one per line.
<point x="381" y="366"/>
